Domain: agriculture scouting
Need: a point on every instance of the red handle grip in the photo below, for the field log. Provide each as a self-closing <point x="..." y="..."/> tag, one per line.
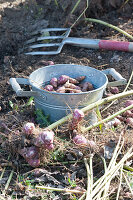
<point x="114" y="45"/>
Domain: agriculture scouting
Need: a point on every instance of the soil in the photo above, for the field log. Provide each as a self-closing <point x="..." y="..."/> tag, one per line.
<point x="18" y="19"/>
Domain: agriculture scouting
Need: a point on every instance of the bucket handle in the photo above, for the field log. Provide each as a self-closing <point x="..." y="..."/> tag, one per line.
<point x="15" y="83"/>
<point x="118" y="77"/>
<point x="16" y="87"/>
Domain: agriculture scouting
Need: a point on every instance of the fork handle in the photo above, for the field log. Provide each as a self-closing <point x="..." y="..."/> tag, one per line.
<point x="100" y="44"/>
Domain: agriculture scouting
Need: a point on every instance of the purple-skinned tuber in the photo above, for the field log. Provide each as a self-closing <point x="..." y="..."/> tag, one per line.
<point x="87" y="86"/>
<point x="61" y="89"/>
<point x="45" y="139"/>
<point x="80" y="139"/>
<point x="29" y="152"/>
<point x="53" y="82"/>
<point x="35" y="162"/>
<point x="114" y="123"/>
<point x="49" y="88"/>
<point x="128" y="103"/>
<point x="62" y="79"/>
<point x="129" y="121"/>
<point x="31" y="155"/>
<point x="114" y="90"/>
<point x="78" y="115"/>
<point x="128" y="113"/>
<point x="29" y="128"/>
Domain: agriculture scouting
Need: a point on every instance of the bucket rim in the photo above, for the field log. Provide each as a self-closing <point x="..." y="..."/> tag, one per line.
<point x="56" y="93"/>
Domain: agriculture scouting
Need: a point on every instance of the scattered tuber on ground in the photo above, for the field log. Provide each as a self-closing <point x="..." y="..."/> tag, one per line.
<point x="29" y="128"/>
<point x="46" y="62"/>
<point x="114" y="123"/>
<point x="129" y="121"/>
<point x="29" y="152"/>
<point x="45" y="139"/>
<point x="114" y="90"/>
<point x="127" y="113"/>
<point x="35" y="162"/>
<point x="80" y="140"/>
<point x="128" y="103"/>
<point x="91" y="143"/>
<point x="78" y="115"/>
<point x="120" y="118"/>
<point x="31" y="155"/>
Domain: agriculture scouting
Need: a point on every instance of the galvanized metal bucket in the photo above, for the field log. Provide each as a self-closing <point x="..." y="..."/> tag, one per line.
<point x="57" y="105"/>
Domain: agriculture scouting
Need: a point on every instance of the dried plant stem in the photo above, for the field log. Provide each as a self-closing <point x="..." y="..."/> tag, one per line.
<point x="119" y="188"/>
<point x="114" y="157"/>
<point x="76" y="5"/>
<point x="129" y="81"/>
<point x="127" y="183"/>
<point x="109" y="25"/>
<point x="124" y="3"/>
<point x="88" y="193"/>
<point x="106" y="119"/>
<point x="105" y="193"/>
<point x="91" y="173"/>
<point x="56" y="3"/>
<point x="8" y="181"/>
<point x="3" y="171"/>
<point x="2" y="198"/>
<point x="91" y="106"/>
<point x="59" y="189"/>
<point x="128" y="168"/>
<point x="87" y="5"/>
<point x="109" y="175"/>
<point x="100" y="188"/>
<point x="58" y="163"/>
<point x="82" y="197"/>
<point x="116" y="153"/>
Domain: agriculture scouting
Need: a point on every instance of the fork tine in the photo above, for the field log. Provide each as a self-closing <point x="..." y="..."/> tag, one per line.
<point x="44" y="45"/>
<point x="62" y="36"/>
<point x="42" y="53"/>
<point x="49" y="30"/>
<point x="43" y="38"/>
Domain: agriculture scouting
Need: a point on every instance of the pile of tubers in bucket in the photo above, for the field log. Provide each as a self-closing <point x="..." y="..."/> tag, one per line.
<point x="66" y="84"/>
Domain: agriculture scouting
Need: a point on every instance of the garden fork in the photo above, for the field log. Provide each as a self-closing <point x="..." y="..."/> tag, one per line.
<point x="49" y="39"/>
